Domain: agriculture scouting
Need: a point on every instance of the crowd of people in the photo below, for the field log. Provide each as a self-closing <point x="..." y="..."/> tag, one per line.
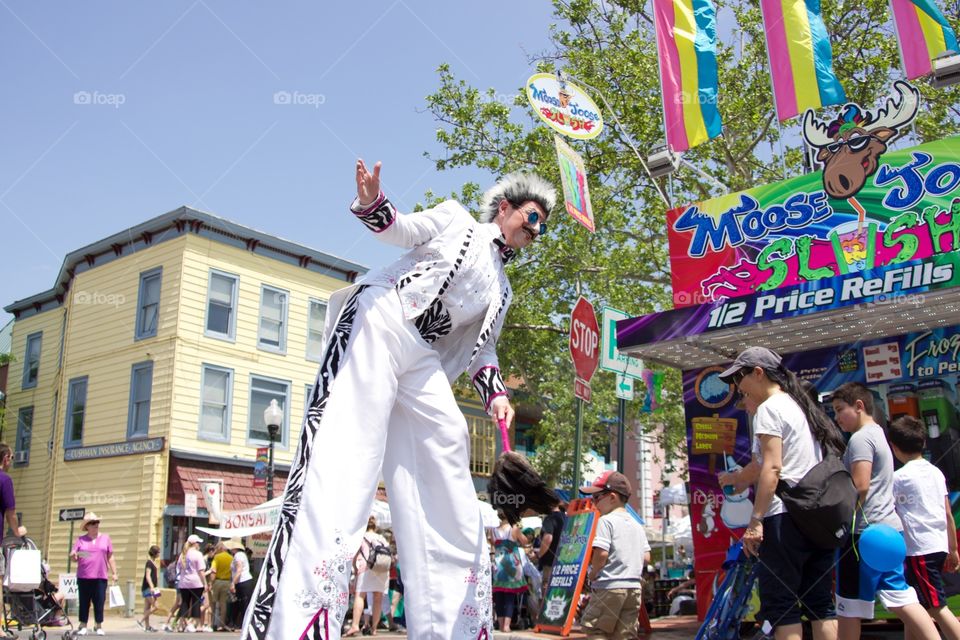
<point x="833" y="589"/>
<point x="836" y="589"/>
<point x="212" y="586"/>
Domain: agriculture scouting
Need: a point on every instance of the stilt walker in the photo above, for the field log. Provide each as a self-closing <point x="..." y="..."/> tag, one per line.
<point x="382" y="401"/>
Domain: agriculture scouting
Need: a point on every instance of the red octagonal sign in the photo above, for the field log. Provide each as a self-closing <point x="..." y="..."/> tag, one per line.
<point x="584" y="339"/>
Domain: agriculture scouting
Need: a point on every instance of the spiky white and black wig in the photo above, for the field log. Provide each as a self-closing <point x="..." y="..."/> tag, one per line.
<point x="517" y="187"/>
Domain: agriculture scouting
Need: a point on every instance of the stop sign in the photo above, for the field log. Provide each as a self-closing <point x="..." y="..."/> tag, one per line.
<point x="584" y="339"/>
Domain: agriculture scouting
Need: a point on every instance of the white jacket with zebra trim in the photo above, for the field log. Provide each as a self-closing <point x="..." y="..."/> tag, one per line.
<point x="444" y="244"/>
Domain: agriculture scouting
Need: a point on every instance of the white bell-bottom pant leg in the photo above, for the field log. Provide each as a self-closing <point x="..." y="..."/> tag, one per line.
<point x="444" y="560"/>
<point x="302" y="592"/>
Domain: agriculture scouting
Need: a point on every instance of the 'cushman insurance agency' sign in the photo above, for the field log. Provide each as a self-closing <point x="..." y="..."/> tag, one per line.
<point x="129" y="448"/>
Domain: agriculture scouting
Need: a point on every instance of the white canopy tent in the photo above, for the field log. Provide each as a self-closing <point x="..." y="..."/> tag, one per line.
<point x="240" y="524"/>
<point x="263" y="518"/>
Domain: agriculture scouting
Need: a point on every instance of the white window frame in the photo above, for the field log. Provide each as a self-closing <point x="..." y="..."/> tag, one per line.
<point x="231" y="334"/>
<point x="141" y="333"/>
<point x="21" y="454"/>
<point x="256" y="415"/>
<point x="267" y="290"/>
<point x="224" y="435"/>
<point x="311" y="330"/>
<point x="134" y="404"/>
<point x="33" y="338"/>
<point x="68" y="440"/>
<point x="307" y="388"/>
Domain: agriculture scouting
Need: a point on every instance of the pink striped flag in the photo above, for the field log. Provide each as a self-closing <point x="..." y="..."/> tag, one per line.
<point x="922" y="33"/>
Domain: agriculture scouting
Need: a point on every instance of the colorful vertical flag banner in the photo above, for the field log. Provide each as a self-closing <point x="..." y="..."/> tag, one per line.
<point x="654" y="383"/>
<point x="576" y="193"/>
<point x="923" y="34"/>
<point x="260" y="467"/>
<point x="801" y="59"/>
<point x="687" y="53"/>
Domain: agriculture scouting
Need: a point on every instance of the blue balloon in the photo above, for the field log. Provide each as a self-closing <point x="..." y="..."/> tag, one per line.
<point x="882" y="547"/>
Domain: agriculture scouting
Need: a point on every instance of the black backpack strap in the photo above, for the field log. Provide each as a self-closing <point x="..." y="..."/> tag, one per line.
<point x="782" y="486"/>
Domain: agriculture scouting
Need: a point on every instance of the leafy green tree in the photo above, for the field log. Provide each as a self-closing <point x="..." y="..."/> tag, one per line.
<point x="610" y="47"/>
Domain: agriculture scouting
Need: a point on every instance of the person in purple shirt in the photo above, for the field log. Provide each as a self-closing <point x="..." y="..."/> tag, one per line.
<point x="8" y="505"/>
<point x="93" y="553"/>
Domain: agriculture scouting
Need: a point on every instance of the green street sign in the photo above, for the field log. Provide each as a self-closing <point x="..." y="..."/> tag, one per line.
<point x="610" y="358"/>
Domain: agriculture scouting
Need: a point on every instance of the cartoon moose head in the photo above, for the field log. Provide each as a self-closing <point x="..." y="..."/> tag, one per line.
<point x="851" y="145"/>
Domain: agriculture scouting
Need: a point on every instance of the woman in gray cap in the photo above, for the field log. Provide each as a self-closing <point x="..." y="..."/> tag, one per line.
<point x="382" y="400"/>
<point x="792" y="434"/>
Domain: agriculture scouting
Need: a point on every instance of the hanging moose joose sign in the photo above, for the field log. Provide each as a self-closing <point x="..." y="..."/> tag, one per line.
<point x="868" y="208"/>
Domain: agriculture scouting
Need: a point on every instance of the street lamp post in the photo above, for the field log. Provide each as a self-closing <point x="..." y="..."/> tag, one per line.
<point x="273" y="417"/>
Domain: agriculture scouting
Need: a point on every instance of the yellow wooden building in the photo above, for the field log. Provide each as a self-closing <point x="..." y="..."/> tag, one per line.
<point x="146" y="370"/>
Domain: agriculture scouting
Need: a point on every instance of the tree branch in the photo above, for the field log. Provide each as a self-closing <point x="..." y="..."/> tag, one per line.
<point x="537" y="327"/>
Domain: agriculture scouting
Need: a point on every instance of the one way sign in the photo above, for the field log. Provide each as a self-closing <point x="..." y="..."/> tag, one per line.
<point x="624" y="387"/>
<point x="76" y="513"/>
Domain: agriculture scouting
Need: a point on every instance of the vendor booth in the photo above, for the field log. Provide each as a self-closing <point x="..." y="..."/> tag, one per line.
<point x="859" y="286"/>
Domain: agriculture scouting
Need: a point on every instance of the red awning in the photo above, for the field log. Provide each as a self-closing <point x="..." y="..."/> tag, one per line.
<point x="238" y="490"/>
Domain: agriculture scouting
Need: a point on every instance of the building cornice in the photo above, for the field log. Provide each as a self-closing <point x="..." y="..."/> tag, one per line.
<point x="175" y="224"/>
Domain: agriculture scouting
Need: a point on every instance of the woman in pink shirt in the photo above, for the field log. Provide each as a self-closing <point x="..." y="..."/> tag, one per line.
<point x="93" y="553"/>
<point x="193" y="581"/>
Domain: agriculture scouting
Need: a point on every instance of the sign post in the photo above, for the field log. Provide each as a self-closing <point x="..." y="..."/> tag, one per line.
<point x="625" y="367"/>
<point x="585" y="352"/>
<point x="71" y="515"/>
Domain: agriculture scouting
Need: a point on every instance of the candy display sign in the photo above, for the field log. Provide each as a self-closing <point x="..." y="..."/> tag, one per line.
<point x="569" y="569"/>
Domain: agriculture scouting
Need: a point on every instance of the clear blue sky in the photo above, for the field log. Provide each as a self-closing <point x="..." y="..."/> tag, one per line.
<point x="115" y="112"/>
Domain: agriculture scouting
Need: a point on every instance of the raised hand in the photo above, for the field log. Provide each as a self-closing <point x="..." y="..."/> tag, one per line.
<point x="368" y="184"/>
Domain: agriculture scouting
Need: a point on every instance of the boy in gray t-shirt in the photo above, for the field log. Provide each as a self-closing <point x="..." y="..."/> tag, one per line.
<point x="620" y="552"/>
<point x="870" y="462"/>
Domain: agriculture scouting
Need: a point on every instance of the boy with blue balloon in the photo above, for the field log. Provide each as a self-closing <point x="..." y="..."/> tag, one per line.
<point x="871" y="564"/>
<point x="923" y="504"/>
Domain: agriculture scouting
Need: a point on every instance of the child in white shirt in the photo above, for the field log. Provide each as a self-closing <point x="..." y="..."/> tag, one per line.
<point x="921" y="499"/>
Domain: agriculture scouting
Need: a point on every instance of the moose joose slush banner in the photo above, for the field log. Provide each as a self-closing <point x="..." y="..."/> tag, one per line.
<point x="869" y="208"/>
<point x="569" y="568"/>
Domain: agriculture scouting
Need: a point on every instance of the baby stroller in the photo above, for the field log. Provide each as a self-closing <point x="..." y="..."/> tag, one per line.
<point x="31" y="607"/>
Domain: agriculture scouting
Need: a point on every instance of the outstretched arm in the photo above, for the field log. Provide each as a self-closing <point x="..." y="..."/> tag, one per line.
<point x="379" y="215"/>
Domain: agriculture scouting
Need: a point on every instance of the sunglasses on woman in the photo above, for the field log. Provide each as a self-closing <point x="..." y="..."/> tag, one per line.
<point x="738" y="377"/>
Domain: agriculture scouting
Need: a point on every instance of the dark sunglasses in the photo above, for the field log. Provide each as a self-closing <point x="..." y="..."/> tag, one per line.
<point x="856" y="144"/>
<point x="738" y="377"/>
<point x="533" y="217"/>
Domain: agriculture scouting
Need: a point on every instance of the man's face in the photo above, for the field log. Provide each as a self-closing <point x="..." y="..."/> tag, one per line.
<point x="6" y="461"/>
<point x="848" y="415"/>
<point x="515" y="222"/>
